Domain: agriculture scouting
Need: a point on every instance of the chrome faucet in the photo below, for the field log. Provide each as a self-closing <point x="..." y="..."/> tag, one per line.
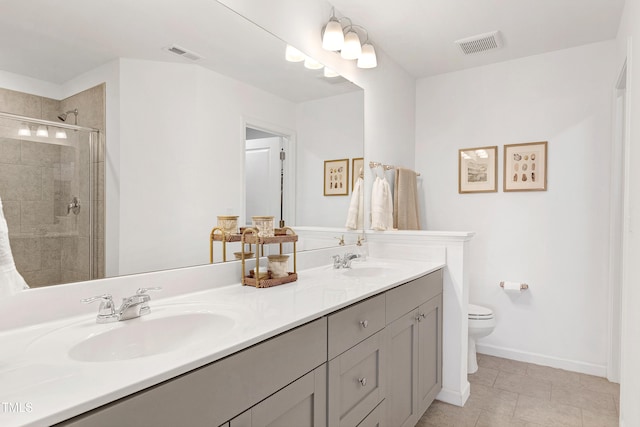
<point x="132" y="307"/>
<point x="344" y="261"/>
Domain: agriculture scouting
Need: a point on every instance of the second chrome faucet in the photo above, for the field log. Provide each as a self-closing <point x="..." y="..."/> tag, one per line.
<point x="344" y="261"/>
<point x="134" y="306"/>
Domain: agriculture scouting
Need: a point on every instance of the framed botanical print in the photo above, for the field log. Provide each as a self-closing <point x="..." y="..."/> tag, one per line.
<point x="525" y="167"/>
<point x="478" y="170"/>
<point x="336" y="177"/>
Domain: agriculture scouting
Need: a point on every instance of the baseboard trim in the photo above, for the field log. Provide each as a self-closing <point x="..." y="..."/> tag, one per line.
<point x="541" y="359"/>
<point x="454" y="397"/>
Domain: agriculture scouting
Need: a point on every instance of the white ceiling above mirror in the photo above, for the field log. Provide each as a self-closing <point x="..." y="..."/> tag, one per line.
<point x="175" y="127"/>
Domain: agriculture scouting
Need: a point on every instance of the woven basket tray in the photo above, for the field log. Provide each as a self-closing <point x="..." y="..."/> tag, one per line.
<point x="268" y="283"/>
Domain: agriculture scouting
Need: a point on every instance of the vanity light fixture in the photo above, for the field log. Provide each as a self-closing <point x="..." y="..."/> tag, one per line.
<point x="312" y="64"/>
<point x="367" y="58"/>
<point x="332" y="35"/>
<point x="352" y="47"/>
<point x="292" y="54"/>
<point x="347" y="41"/>
<point x="24" y="130"/>
<point x="61" y="134"/>
<point x="329" y="73"/>
<point x="42" y="131"/>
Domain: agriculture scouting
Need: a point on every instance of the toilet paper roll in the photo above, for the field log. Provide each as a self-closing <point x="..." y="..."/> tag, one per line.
<point x="512" y="287"/>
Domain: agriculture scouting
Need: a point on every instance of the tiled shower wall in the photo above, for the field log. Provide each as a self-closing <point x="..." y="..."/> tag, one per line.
<point x="38" y="180"/>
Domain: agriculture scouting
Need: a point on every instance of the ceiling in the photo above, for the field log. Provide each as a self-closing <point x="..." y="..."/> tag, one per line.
<point x="56" y="41"/>
<point x="419" y="35"/>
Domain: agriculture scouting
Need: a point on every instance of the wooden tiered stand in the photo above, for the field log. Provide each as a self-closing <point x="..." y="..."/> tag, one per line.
<point x="224" y="238"/>
<point x="250" y="236"/>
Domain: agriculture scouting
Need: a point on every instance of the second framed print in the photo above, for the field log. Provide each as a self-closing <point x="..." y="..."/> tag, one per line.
<point x="478" y="170"/>
<point x="336" y="177"/>
<point x="525" y="167"/>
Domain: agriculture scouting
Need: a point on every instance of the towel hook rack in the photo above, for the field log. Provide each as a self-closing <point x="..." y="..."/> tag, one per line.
<point x="384" y="167"/>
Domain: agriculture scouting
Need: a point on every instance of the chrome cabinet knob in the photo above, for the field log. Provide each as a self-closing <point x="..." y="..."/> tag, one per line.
<point x="364" y="323"/>
<point x="362" y="381"/>
<point x="420" y="317"/>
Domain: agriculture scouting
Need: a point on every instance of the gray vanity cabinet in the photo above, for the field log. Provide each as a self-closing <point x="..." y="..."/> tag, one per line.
<point x="300" y="404"/>
<point x="414" y="342"/>
<point x="375" y="363"/>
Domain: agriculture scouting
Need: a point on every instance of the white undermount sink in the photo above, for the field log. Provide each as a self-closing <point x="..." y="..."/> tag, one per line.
<point x="366" y="269"/>
<point x="141" y="337"/>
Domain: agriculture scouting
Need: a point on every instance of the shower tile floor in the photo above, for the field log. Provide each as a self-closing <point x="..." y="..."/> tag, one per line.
<point x="507" y="393"/>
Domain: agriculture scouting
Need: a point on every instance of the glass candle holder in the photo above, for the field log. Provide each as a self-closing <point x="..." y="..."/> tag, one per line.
<point x="264" y="224"/>
<point x="278" y="265"/>
<point x="228" y="223"/>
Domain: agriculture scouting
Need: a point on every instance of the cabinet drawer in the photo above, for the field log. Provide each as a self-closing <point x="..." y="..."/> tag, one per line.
<point x="357" y="382"/>
<point x="376" y="418"/>
<point x="355" y="323"/>
<point x="404" y="298"/>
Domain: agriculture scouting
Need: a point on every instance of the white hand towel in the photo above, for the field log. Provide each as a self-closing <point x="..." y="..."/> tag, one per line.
<point x="11" y="281"/>
<point x="381" y="205"/>
<point x="355" y="216"/>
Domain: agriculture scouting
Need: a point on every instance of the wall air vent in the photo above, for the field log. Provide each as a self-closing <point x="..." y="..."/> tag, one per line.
<point x="480" y="43"/>
<point x="184" y="53"/>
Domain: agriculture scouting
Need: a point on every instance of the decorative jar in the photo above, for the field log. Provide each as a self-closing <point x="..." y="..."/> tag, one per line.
<point x="278" y="265"/>
<point x="228" y="223"/>
<point x="264" y="224"/>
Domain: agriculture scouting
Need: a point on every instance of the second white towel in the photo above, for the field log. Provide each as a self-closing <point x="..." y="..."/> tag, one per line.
<point x="355" y="216"/>
<point x="381" y="205"/>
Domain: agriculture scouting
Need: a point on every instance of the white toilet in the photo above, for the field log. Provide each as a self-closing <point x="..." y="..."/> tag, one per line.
<point x="481" y="323"/>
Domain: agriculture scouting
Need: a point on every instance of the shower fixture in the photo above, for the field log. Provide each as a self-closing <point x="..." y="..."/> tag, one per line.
<point x="63" y="117"/>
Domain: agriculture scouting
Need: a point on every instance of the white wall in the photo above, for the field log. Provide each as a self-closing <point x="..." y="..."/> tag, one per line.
<point x="328" y="128"/>
<point x="628" y="47"/>
<point x="556" y="241"/>
<point x="180" y="166"/>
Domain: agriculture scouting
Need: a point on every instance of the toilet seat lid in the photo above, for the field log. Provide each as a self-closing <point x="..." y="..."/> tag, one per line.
<point x="479" y="311"/>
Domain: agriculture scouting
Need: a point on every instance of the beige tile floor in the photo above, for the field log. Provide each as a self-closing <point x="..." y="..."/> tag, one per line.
<point x="507" y="393"/>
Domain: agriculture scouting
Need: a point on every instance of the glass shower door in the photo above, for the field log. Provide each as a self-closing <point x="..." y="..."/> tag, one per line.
<point x="48" y="188"/>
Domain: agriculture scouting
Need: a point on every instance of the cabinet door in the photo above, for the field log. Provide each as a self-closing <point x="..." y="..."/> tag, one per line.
<point x="429" y="352"/>
<point x="357" y="382"/>
<point x="402" y="368"/>
<point x="300" y="404"/>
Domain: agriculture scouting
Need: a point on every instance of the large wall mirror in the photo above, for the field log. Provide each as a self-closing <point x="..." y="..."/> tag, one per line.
<point x="180" y="91"/>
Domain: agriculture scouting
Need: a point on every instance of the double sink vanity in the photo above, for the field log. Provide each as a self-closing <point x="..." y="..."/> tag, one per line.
<point x="359" y="346"/>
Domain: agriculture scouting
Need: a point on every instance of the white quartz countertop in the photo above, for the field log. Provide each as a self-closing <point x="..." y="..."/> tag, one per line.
<point x="41" y="384"/>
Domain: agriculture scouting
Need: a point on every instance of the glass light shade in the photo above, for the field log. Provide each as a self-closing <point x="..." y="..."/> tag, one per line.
<point x="351" y="48"/>
<point x="61" y="134"/>
<point x="367" y="58"/>
<point x="312" y="64"/>
<point x="333" y="38"/>
<point x="42" y="131"/>
<point x="293" y="55"/>
<point x="24" y="130"/>
<point x="328" y="72"/>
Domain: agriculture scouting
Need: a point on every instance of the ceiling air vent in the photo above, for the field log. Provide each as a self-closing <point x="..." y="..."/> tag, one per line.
<point x="480" y="43"/>
<point x="184" y="53"/>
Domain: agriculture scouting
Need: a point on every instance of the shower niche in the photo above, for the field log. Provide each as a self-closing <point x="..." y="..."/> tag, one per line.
<point x="51" y="191"/>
